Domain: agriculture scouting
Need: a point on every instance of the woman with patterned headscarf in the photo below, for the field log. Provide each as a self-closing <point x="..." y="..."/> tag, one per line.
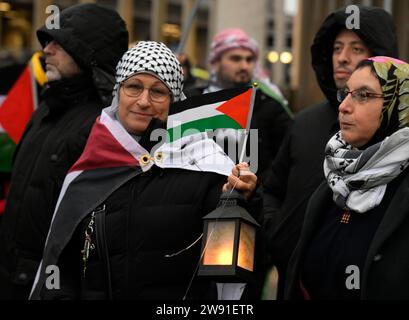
<point x="355" y="239"/>
<point x="123" y="218"/>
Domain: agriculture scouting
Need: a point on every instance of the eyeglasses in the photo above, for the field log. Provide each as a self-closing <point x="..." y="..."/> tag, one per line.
<point x="134" y="89"/>
<point x="358" y="95"/>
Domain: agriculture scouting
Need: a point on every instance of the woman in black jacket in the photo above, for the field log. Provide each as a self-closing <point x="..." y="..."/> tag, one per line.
<point x="354" y="242"/>
<point x="123" y="218"/>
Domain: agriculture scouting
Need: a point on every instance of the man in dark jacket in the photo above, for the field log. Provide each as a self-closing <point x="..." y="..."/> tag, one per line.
<point x="233" y="58"/>
<point x="80" y="57"/>
<point x="297" y="170"/>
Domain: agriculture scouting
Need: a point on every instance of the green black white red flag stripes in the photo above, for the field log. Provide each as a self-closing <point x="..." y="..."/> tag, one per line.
<point x="229" y="109"/>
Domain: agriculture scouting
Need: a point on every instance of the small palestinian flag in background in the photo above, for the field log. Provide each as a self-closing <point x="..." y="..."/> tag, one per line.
<point x="227" y="109"/>
<point x="16" y="109"/>
<point x="18" y="100"/>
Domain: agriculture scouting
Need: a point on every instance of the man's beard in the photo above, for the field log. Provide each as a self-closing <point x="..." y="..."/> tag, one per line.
<point x="228" y="83"/>
<point x="53" y="75"/>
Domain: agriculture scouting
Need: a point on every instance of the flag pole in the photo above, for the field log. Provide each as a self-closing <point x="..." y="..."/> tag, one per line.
<point x="187" y="27"/>
<point x="247" y="131"/>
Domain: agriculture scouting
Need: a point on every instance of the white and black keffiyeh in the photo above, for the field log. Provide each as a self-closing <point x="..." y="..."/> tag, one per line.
<point x="155" y="58"/>
<point x="358" y="178"/>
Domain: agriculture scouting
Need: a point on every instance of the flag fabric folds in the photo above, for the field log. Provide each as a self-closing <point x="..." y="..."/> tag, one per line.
<point x="228" y="109"/>
<point x="17" y="107"/>
<point x="189" y="121"/>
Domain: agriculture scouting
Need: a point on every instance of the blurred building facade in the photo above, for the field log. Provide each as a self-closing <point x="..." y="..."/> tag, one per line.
<point x="284" y="38"/>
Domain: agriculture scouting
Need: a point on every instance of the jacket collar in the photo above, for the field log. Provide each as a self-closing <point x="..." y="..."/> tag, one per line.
<point x="63" y="94"/>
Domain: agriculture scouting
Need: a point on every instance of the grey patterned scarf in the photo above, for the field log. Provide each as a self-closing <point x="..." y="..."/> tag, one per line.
<point x="358" y="178"/>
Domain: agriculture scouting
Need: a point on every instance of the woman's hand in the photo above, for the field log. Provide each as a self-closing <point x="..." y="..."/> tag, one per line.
<point x="242" y="179"/>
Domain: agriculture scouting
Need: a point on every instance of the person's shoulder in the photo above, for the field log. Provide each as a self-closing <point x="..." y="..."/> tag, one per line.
<point x="316" y="119"/>
<point x="405" y="175"/>
<point x="195" y="90"/>
<point x="271" y="104"/>
<point x="315" y="111"/>
<point x="84" y="115"/>
<point x="92" y="104"/>
<point x="263" y="97"/>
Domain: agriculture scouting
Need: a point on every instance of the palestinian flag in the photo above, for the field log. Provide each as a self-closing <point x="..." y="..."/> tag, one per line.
<point x="110" y="159"/>
<point x="229" y="109"/>
<point x="17" y="107"/>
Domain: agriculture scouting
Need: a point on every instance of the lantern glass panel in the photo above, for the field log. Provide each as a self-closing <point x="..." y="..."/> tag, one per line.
<point x="219" y="249"/>
<point x="246" y="246"/>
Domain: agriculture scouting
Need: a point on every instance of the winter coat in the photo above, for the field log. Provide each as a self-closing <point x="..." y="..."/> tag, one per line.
<point x="384" y="274"/>
<point x="145" y="221"/>
<point x="157" y="213"/>
<point x="297" y="170"/>
<point x="55" y="138"/>
<point x="272" y="122"/>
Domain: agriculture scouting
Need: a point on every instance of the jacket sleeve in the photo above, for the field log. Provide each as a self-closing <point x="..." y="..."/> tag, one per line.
<point x="213" y="193"/>
<point x="77" y="145"/>
<point x="273" y="123"/>
<point x="254" y="205"/>
<point x="35" y="117"/>
<point x="282" y="123"/>
<point x="275" y="185"/>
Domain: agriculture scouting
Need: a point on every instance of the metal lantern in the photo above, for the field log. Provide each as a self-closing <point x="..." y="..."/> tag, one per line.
<point x="229" y="238"/>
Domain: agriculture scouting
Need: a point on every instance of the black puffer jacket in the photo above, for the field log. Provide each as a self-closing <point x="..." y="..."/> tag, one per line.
<point x="157" y="213"/>
<point x="297" y="170"/>
<point x="55" y="138"/>
<point x="152" y="215"/>
<point x="146" y="216"/>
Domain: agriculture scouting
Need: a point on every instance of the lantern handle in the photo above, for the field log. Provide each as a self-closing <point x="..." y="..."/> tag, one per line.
<point x="185" y="249"/>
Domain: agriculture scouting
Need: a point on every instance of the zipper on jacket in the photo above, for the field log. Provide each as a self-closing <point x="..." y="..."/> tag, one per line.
<point x="102" y="246"/>
<point x="88" y="244"/>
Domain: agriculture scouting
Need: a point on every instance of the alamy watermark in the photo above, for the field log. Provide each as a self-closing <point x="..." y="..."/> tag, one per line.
<point x="53" y="277"/>
<point x="352" y="281"/>
<point x="53" y="20"/>
<point x="353" y="21"/>
<point x="231" y="141"/>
